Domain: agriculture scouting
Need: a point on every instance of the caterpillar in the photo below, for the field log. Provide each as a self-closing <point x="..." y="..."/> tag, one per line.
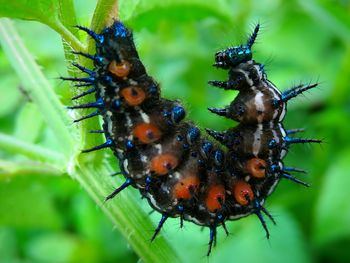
<point x="181" y="171"/>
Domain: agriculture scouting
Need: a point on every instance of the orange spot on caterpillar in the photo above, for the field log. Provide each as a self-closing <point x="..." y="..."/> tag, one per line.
<point x="121" y="70"/>
<point x="163" y="163"/>
<point x="133" y="96"/>
<point x="147" y="133"/>
<point x="256" y="167"/>
<point x="242" y="192"/>
<point x="215" y="197"/>
<point x="185" y="188"/>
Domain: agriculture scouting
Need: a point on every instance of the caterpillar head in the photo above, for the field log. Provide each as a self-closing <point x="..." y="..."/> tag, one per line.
<point x="233" y="56"/>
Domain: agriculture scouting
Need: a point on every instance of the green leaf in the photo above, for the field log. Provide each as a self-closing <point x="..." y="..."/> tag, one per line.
<point x="37" y="10"/>
<point x="8" y="243"/>
<point x="12" y="98"/>
<point x="250" y="245"/>
<point x="19" y="196"/>
<point x="29" y="123"/>
<point x="127" y="8"/>
<point x="49" y="12"/>
<point x="246" y="241"/>
<point x="148" y="14"/>
<point x="52" y="248"/>
<point x="332" y="214"/>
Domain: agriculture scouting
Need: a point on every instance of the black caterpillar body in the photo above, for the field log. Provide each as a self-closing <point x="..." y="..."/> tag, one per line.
<point x="179" y="170"/>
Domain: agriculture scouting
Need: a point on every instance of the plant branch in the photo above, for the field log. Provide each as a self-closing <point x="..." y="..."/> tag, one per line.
<point x="40" y="89"/>
<point x="13" y="168"/>
<point x="16" y="146"/>
<point x="126" y="214"/>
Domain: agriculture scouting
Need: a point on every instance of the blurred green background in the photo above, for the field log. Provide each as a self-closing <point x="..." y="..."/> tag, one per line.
<point x="46" y="216"/>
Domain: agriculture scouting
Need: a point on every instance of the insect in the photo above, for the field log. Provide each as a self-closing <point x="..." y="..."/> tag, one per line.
<point x="177" y="167"/>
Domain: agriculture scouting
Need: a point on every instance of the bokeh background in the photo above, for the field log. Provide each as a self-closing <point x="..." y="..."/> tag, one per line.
<point x="48" y="217"/>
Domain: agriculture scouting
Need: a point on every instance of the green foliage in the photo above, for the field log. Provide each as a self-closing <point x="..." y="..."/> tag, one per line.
<point x="46" y="185"/>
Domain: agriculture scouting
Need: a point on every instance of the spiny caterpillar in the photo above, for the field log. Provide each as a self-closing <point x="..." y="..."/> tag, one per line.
<point x="181" y="172"/>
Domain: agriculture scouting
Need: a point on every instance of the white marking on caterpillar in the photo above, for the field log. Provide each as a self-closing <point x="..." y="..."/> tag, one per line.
<point x="144" y="158"/>
<point x="159" y="148"/>
<point x="239" y="216"/>
<point x="260" y="72"/>
<point x="128" y="120"/>
<point x="144" y="116"/>
<point x="259" y="104"/>
<point x="277" y="96"/>
<point x="102" y="89"/>
<point x="153" y="202"/>
<point x="274" y="135"/>
<point x="273" y="186"/>
<point x="108" y="118"/>
<point x="177" y="175"/>
<point x="257" y="140"/>
<point x="193" y="219"/>
<point x="125" y="166"/>
<point x="133" y="82"/>
<point x="249" y="80"/>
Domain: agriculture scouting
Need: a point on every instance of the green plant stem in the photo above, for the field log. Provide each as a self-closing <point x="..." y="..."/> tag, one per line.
<point x="105" y="13"/>
<point x="40" y="89"/>
<point x="16" y="146"/>
<point x="13" y="168"/>
<point x="124" y="210"/>
<point x="67" y="36"/>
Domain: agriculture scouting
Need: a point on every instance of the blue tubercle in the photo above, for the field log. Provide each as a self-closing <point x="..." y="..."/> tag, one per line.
<point x="129" y="145"/>
<point x="148" y="182"/>
<point x="117" y="104"/>
<point x="108" y="79"/>
<point x="275" y="168"/>
<point x="177" y="114"/>
<point x="100" y="102"/>
<point x="153" y="89"/>
<point x="272" y="144"/>
<point x="179" y="137"/>
<point x="120" y="29"/>
<point x="218" y="157"/>
<point x="201" y="162"/>
<point x="98" y="59"/>
<point x="192" y="134"/>
<point x="180" y="208"/>
<point x="207" y="147"/>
